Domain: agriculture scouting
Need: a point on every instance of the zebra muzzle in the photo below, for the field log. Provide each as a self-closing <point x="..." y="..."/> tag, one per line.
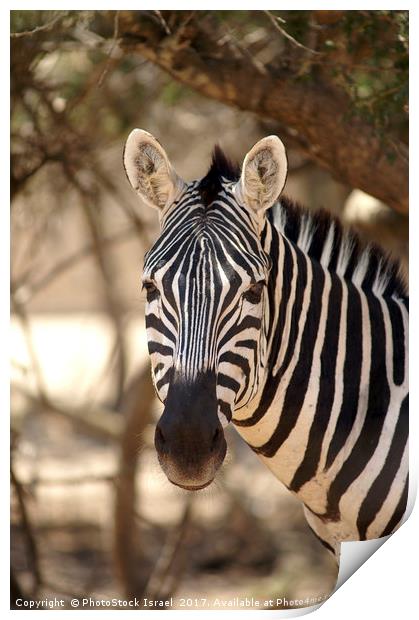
<point x="189" y="438"/>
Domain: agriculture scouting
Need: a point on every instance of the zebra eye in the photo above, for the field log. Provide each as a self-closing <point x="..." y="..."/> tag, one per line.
<point x="254" y="292"/>
<point x="151" y="289"/>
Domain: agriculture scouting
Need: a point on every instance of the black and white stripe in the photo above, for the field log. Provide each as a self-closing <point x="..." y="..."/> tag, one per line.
<point x="331" y="419"/>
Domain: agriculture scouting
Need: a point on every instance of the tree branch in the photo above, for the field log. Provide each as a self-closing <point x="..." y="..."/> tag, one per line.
<point x="275" y="22"/>
<point x="42" y="28"/>
<point x="98" y="421"/>
<point x="32" y="288"/>
<point x="318" y="111"/>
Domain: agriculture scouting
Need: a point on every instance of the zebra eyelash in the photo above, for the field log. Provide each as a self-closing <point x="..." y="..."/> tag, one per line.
<point x="254" y="292"/>
<point x="152" y="292"/>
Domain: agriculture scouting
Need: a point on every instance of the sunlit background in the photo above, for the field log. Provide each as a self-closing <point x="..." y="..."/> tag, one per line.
<point x="92" y="514"/>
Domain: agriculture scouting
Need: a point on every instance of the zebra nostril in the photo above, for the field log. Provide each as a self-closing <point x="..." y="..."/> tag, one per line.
<point x="160" y="440"/>
<point x="216" y="438"/>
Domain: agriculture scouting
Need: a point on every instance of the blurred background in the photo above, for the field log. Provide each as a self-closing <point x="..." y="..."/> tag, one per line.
<point x="92" y="514"/>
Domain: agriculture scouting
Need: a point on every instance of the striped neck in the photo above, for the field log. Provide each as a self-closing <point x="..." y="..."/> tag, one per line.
<point x="337" y="362"/>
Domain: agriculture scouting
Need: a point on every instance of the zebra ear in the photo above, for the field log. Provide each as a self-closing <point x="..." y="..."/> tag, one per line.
<point x="263" y="174"/>
<point x="149" y="170"/>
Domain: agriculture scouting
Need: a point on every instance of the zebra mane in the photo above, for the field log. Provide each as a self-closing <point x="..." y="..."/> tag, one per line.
<point x="323" y="237"/>
<point x="221" y="167"/>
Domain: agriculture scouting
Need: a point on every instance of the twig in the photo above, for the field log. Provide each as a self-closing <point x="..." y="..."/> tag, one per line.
<point x="18" y="182"/>
<point x="163" y="566"/>
<point x="49" y="585"/>
<point x="65" y="264"/>
<point x="16" y="591"/>
<point x="274" y="20"/>
<point x="231" y="38"/>
<point x="380" y="95"/>
<point x="28" y="529"/>
<point x="91" y="218"/>
<point x="100" y="422"/>
<point x="90" y="86"/>
<point x="87" y="479"/>
<point x="111" y="49"/>
<point x="42" y="28"/>
<point x="110" y="362"/>
<point x="401" y="149"/>
<point x="360" y="67"/>
<point x="143" y="520"/>
<point x="128" y="211"/>
<point x="20" y="311"/>
<point x="128" y="549"/>
<point x="163" y="22"/>
<point x="182" y="26"/>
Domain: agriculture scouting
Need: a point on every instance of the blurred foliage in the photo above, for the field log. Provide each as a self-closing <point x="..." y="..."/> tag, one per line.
<point x="71" y="91"/>
<point x="75" y="89"/>
<point x="364" y="52"/>
<point x="379" y="87"/>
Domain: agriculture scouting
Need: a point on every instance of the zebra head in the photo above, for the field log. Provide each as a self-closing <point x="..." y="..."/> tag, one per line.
<point x="206" y="280"/>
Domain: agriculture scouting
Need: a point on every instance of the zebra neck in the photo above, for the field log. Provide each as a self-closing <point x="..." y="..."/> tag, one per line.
<point x="299" y="294"/>
<point x="332" y="407"/>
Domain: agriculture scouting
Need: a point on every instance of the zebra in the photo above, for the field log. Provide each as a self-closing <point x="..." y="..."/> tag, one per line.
<point x="280" y="321"/>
